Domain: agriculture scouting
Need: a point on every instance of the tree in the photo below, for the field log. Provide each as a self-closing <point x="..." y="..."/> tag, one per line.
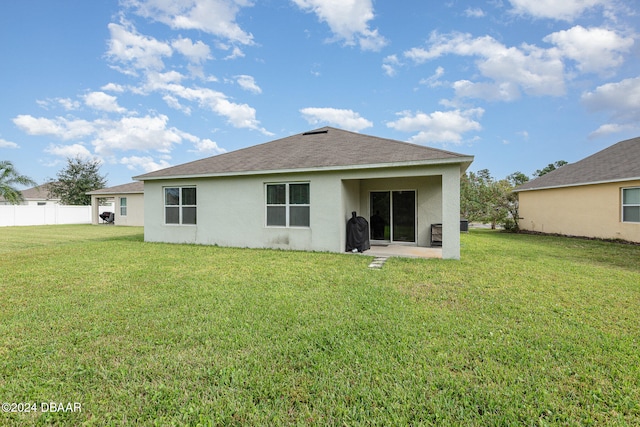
<point x="75" y="180"/>
<point x="550" y="167"/>
<point x="480" y="198"/>
<point x="512" y="203"/>
<point x="484" y="199"/>
<point x="9" y="177"/>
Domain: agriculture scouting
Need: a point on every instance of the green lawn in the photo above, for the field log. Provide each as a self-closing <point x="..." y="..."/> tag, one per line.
<point x="524" y="330"/>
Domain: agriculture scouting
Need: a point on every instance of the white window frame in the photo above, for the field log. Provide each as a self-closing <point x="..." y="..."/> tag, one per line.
<point x="287" y="205"/>
<point x="180" y="205"/>
<point x="123" y="208"/>
<point x="623" y="205"/>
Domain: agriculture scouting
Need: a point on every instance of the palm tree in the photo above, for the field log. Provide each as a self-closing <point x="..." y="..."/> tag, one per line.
<point x="9" y="177"/>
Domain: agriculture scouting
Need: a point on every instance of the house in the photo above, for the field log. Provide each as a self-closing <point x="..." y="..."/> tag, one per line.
<point x="36" y="196"/>
<point x="299" y="192"/>
<point x="598" y="196"/>
<point x="128" y="203"/>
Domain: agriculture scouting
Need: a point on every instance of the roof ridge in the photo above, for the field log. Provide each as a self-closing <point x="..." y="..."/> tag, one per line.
<point x="321" y="148"/>
<point x="396" y="141"/>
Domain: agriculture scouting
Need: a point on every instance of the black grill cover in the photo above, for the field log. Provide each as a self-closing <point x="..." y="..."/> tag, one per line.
<point x="357" y="234"/>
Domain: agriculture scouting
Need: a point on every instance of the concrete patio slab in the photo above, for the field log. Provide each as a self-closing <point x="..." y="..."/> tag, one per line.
<point x="404" y="251"/>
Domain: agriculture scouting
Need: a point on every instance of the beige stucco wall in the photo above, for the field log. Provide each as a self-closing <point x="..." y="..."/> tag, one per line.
<point x="135" y="210"/>
<point x="231" y="210"/>
<point x="589" y="210"/>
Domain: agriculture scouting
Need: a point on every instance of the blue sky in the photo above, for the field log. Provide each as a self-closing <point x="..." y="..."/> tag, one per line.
<point x="146" y="84"/>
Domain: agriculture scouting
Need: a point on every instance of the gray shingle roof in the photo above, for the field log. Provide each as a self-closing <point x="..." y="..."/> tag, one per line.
<point x="40" y="192"/>
<point x="620" y="162"/>
<point x="323" y="148"/>
<point x="130" y="188"/>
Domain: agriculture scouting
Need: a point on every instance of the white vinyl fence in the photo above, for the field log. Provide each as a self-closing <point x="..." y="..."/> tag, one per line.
<point x="11" y="215"/>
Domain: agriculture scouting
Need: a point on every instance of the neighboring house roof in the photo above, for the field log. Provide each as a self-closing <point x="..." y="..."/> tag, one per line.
<point x="326" y="148"/>
<point x="40" y="192"/>
<point x="620" y="162"/>
<point x="130" y="188"/>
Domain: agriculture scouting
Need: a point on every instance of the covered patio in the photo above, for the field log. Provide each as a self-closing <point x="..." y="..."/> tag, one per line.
<point x="126" y="201"/>
<point x="403" y="204"/>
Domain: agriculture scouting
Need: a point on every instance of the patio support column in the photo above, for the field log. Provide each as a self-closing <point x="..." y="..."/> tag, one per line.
<point x="451" y="213"/>
<point x="95" y="209"/>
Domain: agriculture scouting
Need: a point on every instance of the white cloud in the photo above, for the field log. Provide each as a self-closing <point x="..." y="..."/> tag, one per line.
<point x="144" y="163"/>
<point x="8" y="144"/>
<point x="389" y="65"/>
<point x="103" y="102"/>
<point x="345" y="119"/>
<point x="622" y="99"/>
<point x="113" y="87"/>
<point x="131" y="48"/>
<point x="174" y="103"/>
<point x="457" y="44"/>
<point x="528" y="68"/>
<point x="39" y="126"/>
<point x="68" y="103"/>
<point x="195" y="52"/>
<point x="146" y="54"/>
<point x="594" y="49"/>
<point x="372" y="41"/>
<point x="60" y="127"/>
<point x="474" y="12"/>
<point x="439" y="126"/>
<point x="511" y="71"/>
<point x="566" y="10"/>
<point x="434" y="80"/>
<point x="206" y="147"/>
<point x="69" y="151"/>
<point x="611" y="128"/>
<point x="490" y="91"/>
<point x="236" y="52"/>
<point x="248" y="83"/>
<point x="108" y="136"/>
<point x="217" y="17"/>
<point x="135" y="133"/>
<point x="126" y="134"/>
<point x="238" y="115"/>
<point x="160" y="80"/>
<point x="348" y="20"/>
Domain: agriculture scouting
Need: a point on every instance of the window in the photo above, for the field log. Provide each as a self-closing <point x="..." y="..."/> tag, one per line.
<point x="631" y="204"/>
<point x="123" y="206"/>
<point x="180" y="205"/>
<point x="288" y="205"/>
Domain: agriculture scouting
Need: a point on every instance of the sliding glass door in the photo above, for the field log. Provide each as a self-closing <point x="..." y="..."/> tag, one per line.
<point x="393" y="216"/>
<point x="404" y="216"/>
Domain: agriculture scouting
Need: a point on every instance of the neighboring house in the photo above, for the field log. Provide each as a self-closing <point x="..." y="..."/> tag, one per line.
<point x="299" y="192"/>
<point x="598" y="196"/>
<point x="36" y="196"/>
<point x="128" y="202"/>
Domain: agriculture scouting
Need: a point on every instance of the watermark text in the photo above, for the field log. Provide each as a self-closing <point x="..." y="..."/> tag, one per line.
<point x="41" y="407"/>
